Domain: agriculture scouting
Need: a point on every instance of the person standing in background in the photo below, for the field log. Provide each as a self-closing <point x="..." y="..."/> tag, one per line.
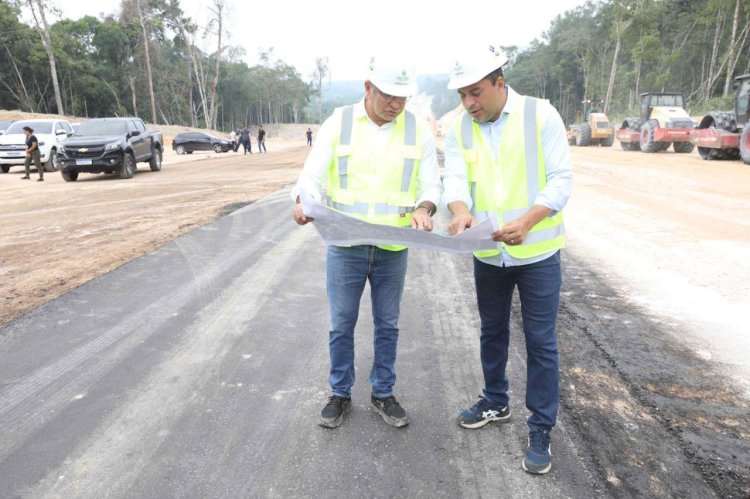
<point x="32" y="154"/>
<point x="261" y="140"/>
<point x="245" y="139"/>
<point x="309" y="137"/>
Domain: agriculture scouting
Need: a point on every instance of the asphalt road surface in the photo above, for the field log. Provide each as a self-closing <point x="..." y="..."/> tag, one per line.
<point x="199" y="370"/>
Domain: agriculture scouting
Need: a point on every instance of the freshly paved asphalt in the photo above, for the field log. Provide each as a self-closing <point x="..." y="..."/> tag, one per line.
<point x="199" y="370"/>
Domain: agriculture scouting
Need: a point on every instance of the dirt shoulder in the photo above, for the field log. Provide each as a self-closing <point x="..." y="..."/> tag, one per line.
<point x="55" y="235"/>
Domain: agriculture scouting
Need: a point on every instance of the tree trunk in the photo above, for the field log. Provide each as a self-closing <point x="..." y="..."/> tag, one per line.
<point x="131" y="81"/>
<point x="732" y="40"/>
<point x="212" y="108"/>
<point x="714" y="55"/>
<point x="147" y="54"/>
<point x="43" y="29"/>
<point x="613" y="72"/>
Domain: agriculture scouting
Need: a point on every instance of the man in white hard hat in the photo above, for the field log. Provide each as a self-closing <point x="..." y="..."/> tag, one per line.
<point x="379" y="163"/>
<point x="507" y="154"/>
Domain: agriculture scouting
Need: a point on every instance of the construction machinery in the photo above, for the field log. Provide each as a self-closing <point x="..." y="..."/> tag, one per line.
<point x="663" y="122"/>
<point x="726" y="135"/>
<point x="595" y="129"/>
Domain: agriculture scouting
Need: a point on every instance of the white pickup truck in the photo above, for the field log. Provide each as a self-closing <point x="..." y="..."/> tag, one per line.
<point x="49" y="133"/>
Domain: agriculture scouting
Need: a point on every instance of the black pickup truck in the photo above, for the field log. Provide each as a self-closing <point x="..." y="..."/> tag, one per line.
<point x="109" y="145"/>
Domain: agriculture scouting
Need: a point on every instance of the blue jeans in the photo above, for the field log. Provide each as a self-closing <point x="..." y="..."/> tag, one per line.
<point x="348" y="268"/>
<point x="539" y="290"/>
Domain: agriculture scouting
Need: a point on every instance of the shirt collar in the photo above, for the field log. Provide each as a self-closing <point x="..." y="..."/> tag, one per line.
<point x="513" y="101"/>
<point x="360" y="112"/>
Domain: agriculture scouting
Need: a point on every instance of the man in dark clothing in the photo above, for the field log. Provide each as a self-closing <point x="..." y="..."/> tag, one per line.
<point x="261" y="140"/>
<point x="309" y="137"/>
<point x="245" y="139"/>
<point x="32" y="154"/>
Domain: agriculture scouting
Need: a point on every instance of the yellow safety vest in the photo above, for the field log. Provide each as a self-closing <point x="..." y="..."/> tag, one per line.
<point x="378" y="186"/>
<point x="509" y="183"/>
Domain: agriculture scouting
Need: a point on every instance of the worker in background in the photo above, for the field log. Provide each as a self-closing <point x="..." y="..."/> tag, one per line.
<point x="309" y="137"/>
<point x="403" y="191"/>
<point x="261" y="140"/>
<point x="245" y="139"/>
<point x="507" y="154"/>
<point x="32" y="154"/>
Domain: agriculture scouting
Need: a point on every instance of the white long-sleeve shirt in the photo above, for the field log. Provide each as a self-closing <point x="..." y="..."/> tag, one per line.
<point x="557" y="165"/>
<point x="315" y="172"/>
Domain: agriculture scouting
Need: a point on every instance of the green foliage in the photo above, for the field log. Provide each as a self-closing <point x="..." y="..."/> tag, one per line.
<point x="101" y="70"/>
<point x="666" y="45"/>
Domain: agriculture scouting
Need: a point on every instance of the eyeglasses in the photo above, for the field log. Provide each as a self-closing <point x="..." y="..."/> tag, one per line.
<point x="389" y="97"/>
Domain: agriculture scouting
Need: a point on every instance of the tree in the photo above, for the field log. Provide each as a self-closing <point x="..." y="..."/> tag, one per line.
<point x="37" y="8"/>
<point x="147" y="54"/>
<point x="321" y="74"/>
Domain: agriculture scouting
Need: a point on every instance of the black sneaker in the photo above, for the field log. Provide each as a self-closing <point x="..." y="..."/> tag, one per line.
<point x="538" y="458"/>
<point x="390" y="410"/>
<point x="25" y="177"/>
<point x="333" y="413"/>
<point x="40" y="180"/>
<point x="482" y="413"/>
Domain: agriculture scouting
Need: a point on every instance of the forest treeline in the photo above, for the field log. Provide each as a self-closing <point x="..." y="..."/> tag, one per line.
<point x="615" y="50"/>
<point x="150" y="60"/>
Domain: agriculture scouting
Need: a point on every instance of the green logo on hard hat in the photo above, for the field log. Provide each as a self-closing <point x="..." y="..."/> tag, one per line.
<point x="372" y="63"/>
<point x="403" y="78"/>
<point x="458" y="69"/>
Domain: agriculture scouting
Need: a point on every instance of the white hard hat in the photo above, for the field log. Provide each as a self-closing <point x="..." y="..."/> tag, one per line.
<point x="473" y="65"/>
<point x="393" y="75"/>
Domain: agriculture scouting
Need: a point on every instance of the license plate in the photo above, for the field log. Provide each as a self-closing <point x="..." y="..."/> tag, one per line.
<point x="83" y="162"/>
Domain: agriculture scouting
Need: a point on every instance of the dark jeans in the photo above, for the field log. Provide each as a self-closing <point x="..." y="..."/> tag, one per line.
<point x="539" y="290"/>
<point x="247" y="146"/>
<point x="348" y="269"/>
<point x="261" y="146"/>
<point x="236" y="145"/>
<point x="36" y="157"/>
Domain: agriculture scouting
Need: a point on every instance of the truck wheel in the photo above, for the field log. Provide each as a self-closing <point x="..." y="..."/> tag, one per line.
<point x="584" y="139"/>
<point x="51" y="164"/>
<point x="683" y="147"/>
<point x="648" y="144"/>
<point x="609" y="140"/>
<point x="745" y="144"/>
<point x="180" y="149"/>
<point x="70" y="176"/>
<point x="5" y="168"/>
<point x="721" y="121"/>
<point x="155" y="161"/>
<point x="127" y="170"/>
<point x="217" y="148"/>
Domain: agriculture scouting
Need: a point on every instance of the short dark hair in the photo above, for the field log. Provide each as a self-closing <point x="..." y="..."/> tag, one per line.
<point x="29" y="129"/>
<point x="498" y="73"/>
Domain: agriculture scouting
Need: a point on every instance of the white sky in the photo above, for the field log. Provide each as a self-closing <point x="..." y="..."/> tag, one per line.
<point x="345" y="30"/>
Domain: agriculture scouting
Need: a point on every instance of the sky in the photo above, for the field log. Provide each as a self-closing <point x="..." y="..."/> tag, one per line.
<point x="347" y="32"/>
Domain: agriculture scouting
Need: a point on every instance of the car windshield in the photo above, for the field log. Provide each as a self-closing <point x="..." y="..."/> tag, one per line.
<point x="4" y="124"/>
<point x="95" y="127"/>
<point x="17" y="127"/>
<point x="214" y="137"/>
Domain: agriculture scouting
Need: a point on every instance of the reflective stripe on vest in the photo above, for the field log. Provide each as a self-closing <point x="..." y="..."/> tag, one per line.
<point x="347" y="120"/>
<point x="410" y="139"/>
<point x="549" y="233"/>
<point x="376" y="185"/>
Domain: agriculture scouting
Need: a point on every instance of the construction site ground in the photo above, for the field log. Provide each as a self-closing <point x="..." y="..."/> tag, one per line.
<point x="167" y="336"/>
